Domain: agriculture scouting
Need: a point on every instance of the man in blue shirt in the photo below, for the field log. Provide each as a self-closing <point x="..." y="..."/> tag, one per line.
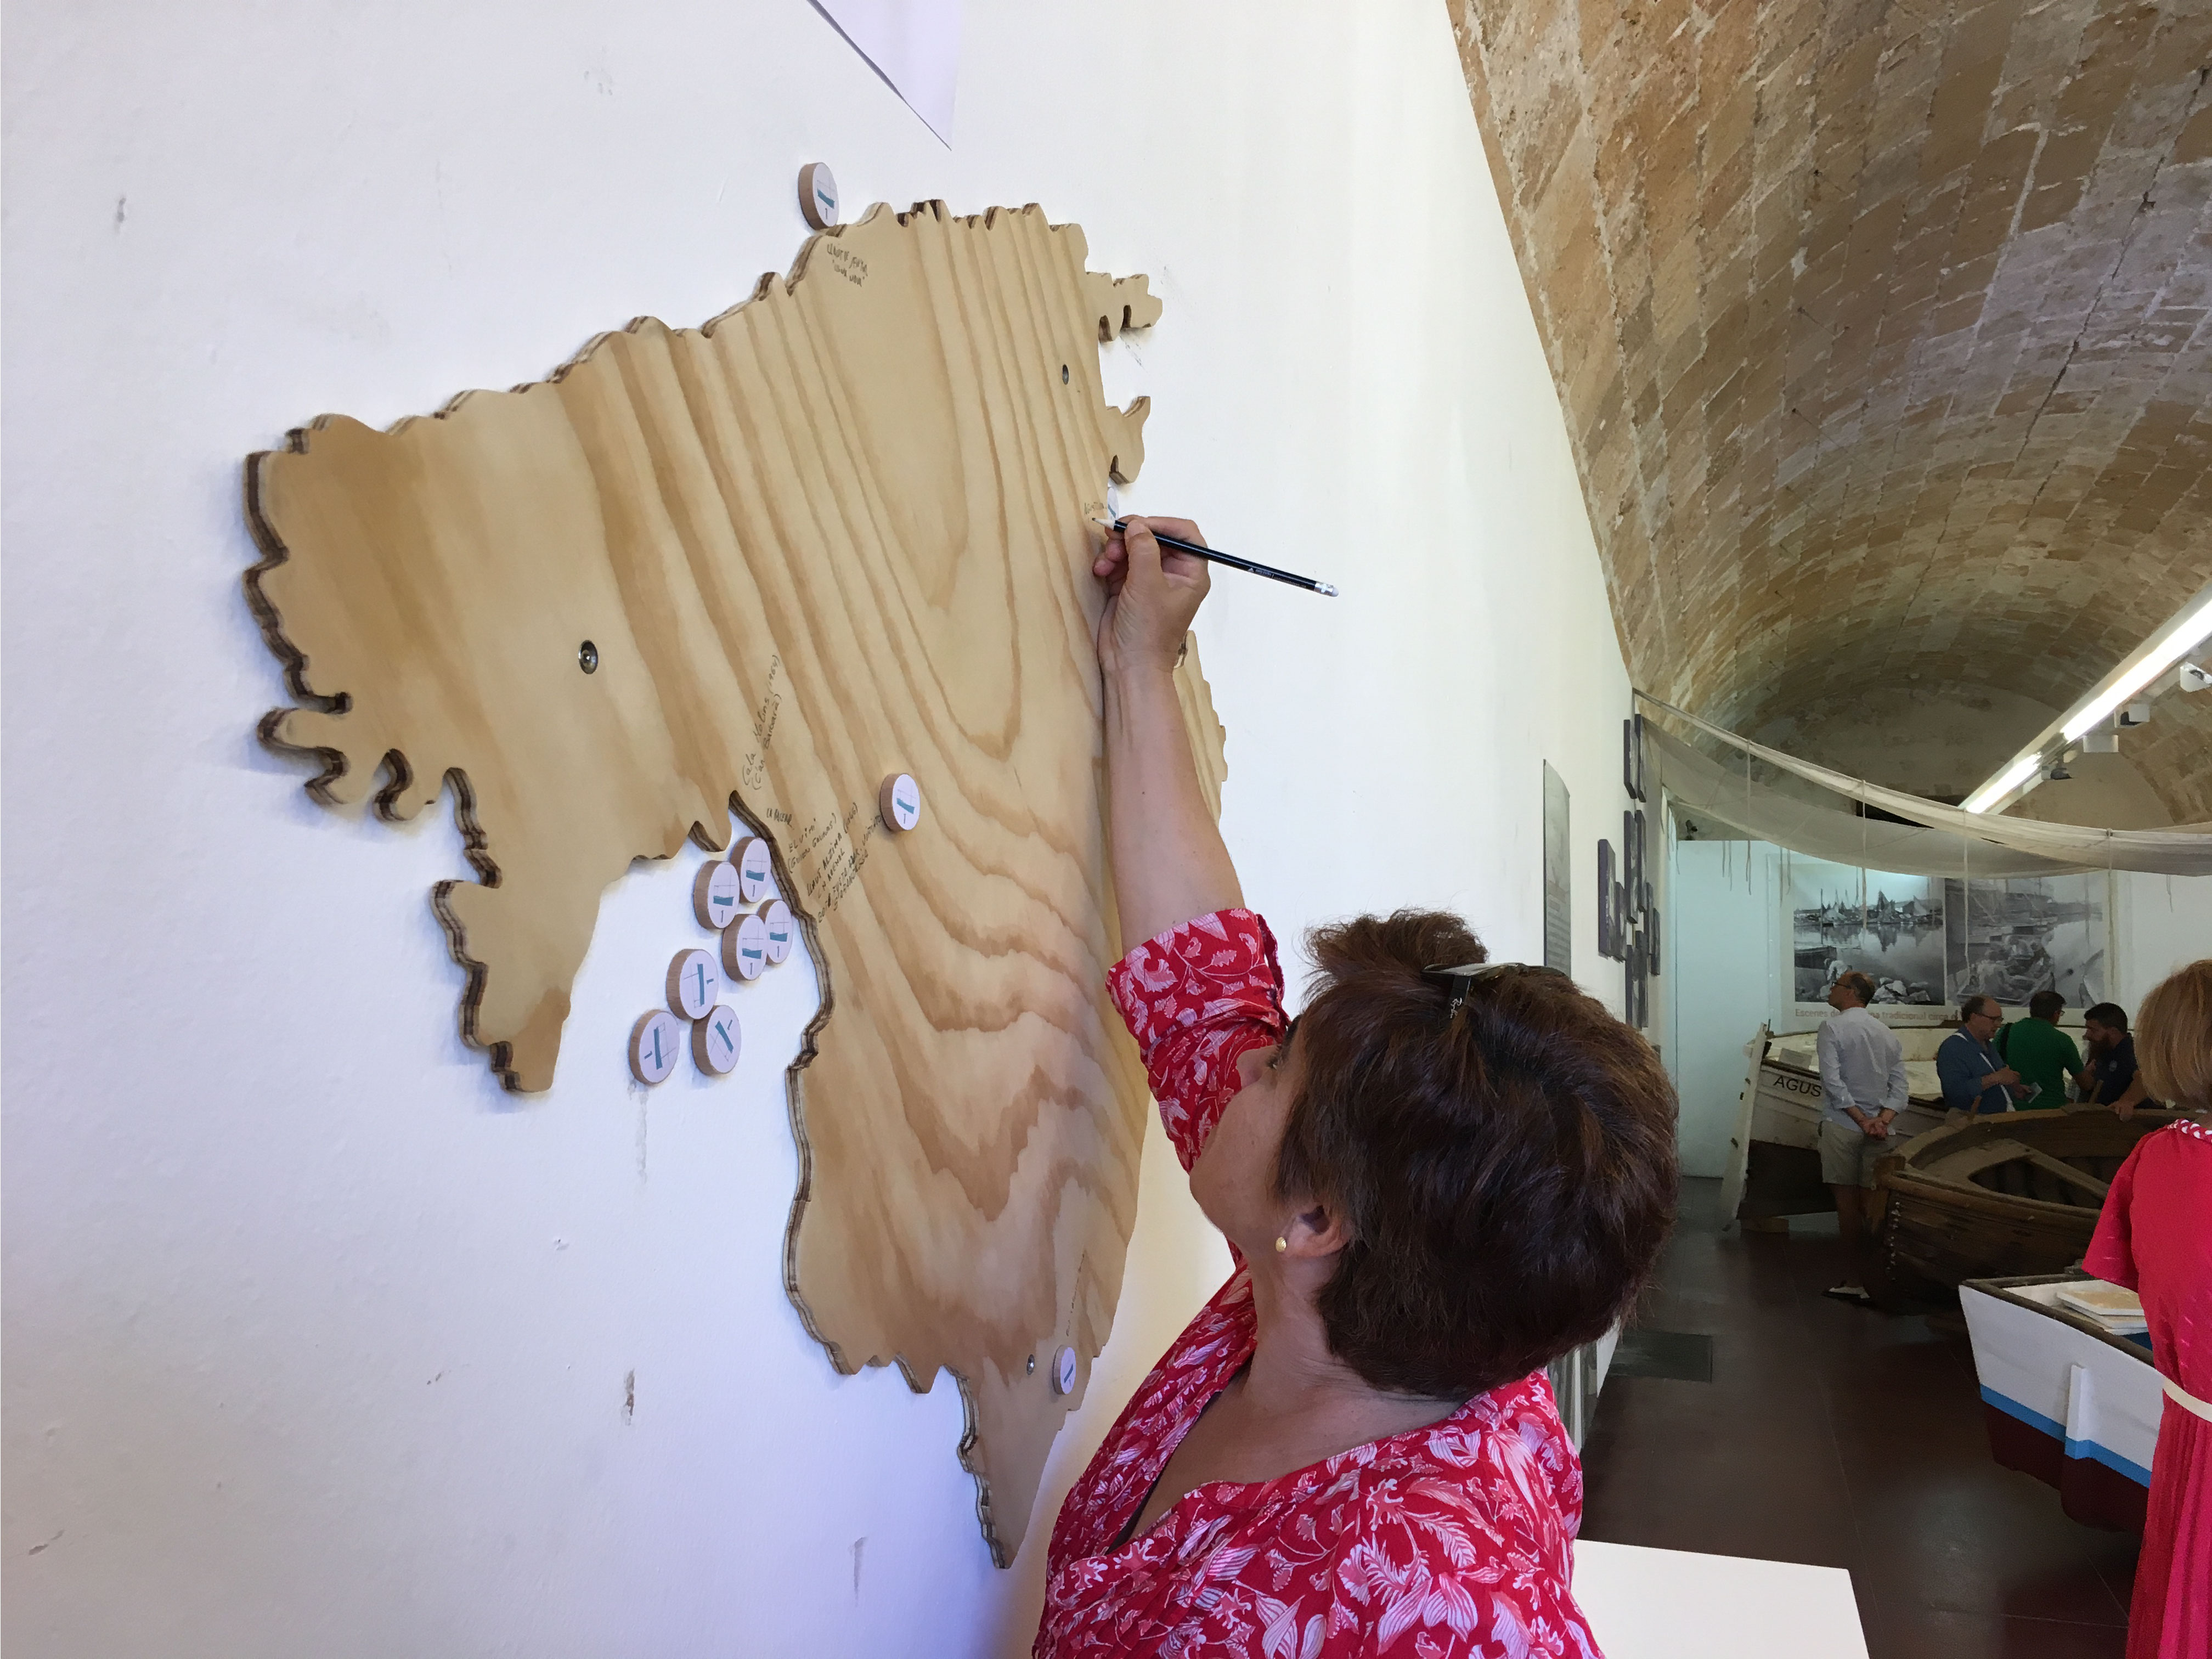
<point x="1974" y="1076"/>
<point x="2110" y="1077"/>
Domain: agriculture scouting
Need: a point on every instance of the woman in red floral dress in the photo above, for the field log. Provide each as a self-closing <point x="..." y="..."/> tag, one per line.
<point x="1432" y="1184"/>
<point x="2152" y="1236"/>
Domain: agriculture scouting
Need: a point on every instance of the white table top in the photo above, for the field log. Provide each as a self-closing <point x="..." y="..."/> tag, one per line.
<point x="1674" y="1604"/>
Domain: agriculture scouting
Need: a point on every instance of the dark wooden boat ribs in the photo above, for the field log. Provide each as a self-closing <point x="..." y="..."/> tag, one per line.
<point x="2016" y="1193"/>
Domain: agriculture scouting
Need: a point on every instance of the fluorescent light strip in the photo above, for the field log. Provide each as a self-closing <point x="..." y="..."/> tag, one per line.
<point x="2004" y="784"/>
<point x="2189" y="628"/>
<point x="2192" y="627"/>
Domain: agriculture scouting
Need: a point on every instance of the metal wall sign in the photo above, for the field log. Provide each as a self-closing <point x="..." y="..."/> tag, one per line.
<point x="1558" y="876"/>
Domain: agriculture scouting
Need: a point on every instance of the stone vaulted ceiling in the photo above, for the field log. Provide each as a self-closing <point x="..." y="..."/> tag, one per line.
<point x="1882" y="334"/>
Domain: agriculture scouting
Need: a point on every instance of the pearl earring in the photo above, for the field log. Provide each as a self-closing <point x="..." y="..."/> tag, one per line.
<point x="1282" y="1243"/>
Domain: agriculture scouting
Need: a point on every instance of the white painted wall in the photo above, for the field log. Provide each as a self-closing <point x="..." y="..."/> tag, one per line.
<point x="2161" y="923"/>
<point x="1727" y="976"/>
<point x="315" y="1341"/>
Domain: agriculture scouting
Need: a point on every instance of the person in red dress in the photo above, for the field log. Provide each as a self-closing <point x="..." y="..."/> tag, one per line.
<point x="2152" y="1236"/>
<point x="1431" y="1183"/>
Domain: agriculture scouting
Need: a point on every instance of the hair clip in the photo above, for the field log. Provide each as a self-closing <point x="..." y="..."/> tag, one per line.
<point x="1465" y="976"/>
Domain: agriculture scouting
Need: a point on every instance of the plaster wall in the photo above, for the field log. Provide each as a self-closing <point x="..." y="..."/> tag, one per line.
<point x="315" y="1341"/>
<point x="2165" y="923"/>
<point x="1726" y="973"/>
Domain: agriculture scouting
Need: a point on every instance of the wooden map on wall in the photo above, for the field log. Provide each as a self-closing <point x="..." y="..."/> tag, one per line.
<point x="841" y="531"/>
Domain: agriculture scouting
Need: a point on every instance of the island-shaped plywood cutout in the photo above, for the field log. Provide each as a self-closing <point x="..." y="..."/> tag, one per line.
<point x="841" y="532"/>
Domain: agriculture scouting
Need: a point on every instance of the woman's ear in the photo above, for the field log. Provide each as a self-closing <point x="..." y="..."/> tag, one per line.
<point x="1315" y="1232"/>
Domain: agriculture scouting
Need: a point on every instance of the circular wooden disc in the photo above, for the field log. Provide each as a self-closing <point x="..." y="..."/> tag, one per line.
<point x="900" y="801"/>
<point x="693" y="983"/>
<point x="782" y="928"/>
<point x="717" y="1040"/>
<point x="714" y="894"/>
<point x="654" y="1042"/>
<point x="756" y="869"/>
<point x="745" y="948"/>
<point x="817" y="195"/>
<point x="1063" y="1371"/>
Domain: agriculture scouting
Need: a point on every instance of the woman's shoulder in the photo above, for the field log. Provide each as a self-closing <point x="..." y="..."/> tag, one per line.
<point x="1455" y="1538"/>
<point x="2184" y="1144"/>
<point x="1501" y="1465"/>
<point x="1463" y="1528"/>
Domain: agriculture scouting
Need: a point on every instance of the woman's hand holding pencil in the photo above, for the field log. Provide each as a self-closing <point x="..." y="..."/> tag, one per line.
<point x="1215" y="555"/>
<point x="1152" y="591"/>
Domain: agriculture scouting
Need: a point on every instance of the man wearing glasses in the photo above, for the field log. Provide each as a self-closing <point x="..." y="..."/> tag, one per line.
<point x="1974" y="1076"/>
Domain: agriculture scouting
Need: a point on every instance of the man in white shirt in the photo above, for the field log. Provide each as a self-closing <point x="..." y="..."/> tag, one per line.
<point x="1862" y="1089"/>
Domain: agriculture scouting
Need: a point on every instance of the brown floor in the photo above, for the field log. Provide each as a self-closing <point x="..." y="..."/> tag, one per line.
<point x="1842" y="1437"/>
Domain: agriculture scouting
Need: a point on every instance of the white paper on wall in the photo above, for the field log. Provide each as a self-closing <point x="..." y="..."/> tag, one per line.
<point x="912" y="44"/>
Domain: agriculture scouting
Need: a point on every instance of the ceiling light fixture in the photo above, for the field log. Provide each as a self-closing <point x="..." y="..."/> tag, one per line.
<point x="2004" y="783"/>
<point x="2186" y="629"/>
<point x="2166" y="648"/>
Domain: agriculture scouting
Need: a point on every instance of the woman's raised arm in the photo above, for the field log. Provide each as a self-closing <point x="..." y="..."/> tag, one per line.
<point x="1169" y="863"/>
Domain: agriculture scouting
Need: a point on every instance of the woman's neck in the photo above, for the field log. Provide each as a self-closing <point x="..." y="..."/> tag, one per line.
<point x="1294" y="1375"/>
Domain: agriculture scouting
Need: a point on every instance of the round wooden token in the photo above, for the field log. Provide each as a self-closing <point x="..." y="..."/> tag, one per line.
<point x="817" y="195"/>
<point x="756" y="869"/>
<point x="782" y="928"/>
<point x="717" y="1040"/>
<point x="1063" y="1371"/>
<point x="693" y="983"/>
<point x="654" y="1042"/>
<point x="900" y="801"/>
<point x="714" y="894"/>
<point x="744" y="947"/>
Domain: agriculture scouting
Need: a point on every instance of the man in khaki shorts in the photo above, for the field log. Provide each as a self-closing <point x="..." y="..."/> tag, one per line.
<point x="1862" y="1089"/>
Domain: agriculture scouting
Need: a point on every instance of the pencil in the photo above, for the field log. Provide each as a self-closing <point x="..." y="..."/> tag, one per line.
<point x="1215" y="555"/>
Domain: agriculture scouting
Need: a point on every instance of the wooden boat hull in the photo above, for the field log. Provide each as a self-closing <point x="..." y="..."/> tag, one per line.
<point x="2031" y="1209"/>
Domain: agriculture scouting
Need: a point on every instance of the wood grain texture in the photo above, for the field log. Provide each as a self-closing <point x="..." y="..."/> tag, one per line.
<point x="839" y="531"/>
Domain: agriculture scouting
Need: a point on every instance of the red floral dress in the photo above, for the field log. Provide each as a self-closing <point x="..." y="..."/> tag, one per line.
<point x="2152" y="1237"/>
<point x="1453" y="1539"/>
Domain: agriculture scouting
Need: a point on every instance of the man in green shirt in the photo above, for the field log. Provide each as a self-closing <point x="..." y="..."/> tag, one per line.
<point x="2044" y="1055"/>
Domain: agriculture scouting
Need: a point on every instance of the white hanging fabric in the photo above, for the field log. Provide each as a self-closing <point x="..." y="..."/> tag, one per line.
<point x="1936" y="843"/>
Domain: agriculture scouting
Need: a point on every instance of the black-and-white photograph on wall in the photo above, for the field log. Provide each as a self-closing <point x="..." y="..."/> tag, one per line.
<point x="1888" y="927"/>
<point x="1605" y="892"/>
<point x="2012" y="937"/>
<point x="1631" y="866"/>
<point x="1558" y="876"/>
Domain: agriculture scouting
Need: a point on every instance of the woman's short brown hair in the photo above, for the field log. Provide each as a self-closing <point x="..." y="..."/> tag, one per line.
<point x="2173" y="1038"/>
<point x="1507" y="1174"/>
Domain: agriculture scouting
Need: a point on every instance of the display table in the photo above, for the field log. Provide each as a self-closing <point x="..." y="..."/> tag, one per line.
<point x="1673" y="1604"/>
